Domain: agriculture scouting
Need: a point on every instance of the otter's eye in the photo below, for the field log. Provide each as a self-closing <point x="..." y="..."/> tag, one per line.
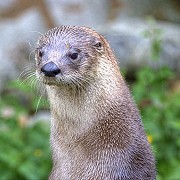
<point x="74" y="56"/>
<point x="98" y="45"/>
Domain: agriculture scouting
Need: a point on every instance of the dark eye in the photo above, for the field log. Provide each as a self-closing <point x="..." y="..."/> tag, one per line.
<point x="98" y="45"/>
<point x="74" y="56"/>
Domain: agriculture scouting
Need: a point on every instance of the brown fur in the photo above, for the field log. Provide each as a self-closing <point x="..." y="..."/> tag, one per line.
<point x="96" y="129"/>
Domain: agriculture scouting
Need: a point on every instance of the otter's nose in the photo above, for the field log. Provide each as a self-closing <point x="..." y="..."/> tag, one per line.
<point x="50" y="69"/>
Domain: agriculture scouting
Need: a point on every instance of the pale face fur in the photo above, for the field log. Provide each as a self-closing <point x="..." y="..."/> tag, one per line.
<point x="96" y="129"/>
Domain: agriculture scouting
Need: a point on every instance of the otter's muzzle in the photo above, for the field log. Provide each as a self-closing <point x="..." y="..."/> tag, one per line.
<point x="50" y="69"/>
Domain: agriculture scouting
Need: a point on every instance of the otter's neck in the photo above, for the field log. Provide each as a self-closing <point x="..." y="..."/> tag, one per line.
<point x="77" y="110"/>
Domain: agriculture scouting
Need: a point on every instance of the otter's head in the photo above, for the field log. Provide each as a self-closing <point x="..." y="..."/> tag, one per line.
<point x="68" y="55"/>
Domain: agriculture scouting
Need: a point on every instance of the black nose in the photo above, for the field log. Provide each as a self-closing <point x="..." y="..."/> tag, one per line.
<point x="50" y="69"/>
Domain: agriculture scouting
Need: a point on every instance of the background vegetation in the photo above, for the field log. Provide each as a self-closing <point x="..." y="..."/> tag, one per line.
<point x="159" y="105"/>
<point x="24" y="144"/>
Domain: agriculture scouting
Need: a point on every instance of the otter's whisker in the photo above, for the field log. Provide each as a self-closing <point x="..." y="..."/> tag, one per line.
<point x="37" y="32"/>
<point x="30" y="55"/>
<point x="33" y="83"/>
<point x="26" y="70"/>
<point x="38" y="103"/>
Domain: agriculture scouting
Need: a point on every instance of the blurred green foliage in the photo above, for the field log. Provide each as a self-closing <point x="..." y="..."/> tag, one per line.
<point x="24" y="151"/>
<point x="160" y="110"/>
<point x="24" y="146"/>
<point x="159" y="104"/>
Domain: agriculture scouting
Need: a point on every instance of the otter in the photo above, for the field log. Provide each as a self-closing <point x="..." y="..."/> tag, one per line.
<point x="96" y="128"/>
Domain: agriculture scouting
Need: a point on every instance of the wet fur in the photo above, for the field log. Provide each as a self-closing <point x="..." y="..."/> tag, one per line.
<point x="96" y="129"/>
